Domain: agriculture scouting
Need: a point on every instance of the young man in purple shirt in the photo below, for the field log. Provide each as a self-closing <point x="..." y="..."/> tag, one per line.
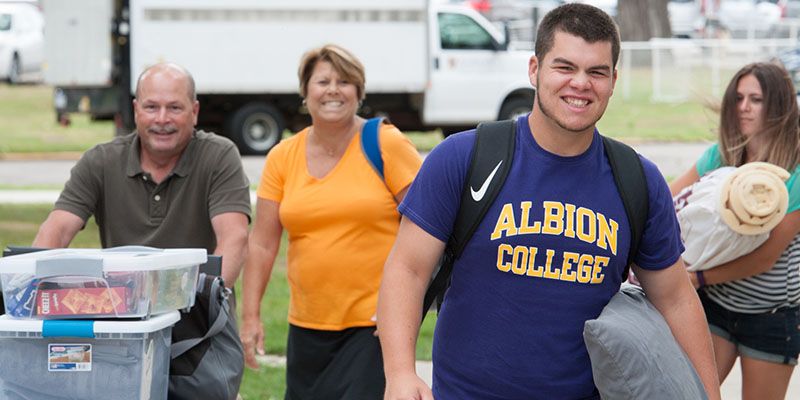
<point x="550" y="252"/>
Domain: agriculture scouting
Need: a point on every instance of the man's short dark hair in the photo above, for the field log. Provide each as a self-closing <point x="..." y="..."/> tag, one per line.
<point x="587" y="22"/>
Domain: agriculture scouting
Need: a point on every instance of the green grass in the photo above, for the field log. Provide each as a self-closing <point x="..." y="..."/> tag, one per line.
<point x="28" y="123"/>
<point x="43" y="186"/>
<point x="637" y="117"/>
<point x="425" y="141"/>
<point x="267" y="383"/>
<point x="19" y="224"/>
<point x="645" y="121"/>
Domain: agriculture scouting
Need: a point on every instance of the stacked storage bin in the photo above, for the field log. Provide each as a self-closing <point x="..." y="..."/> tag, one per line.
<point x="92" y="324"/>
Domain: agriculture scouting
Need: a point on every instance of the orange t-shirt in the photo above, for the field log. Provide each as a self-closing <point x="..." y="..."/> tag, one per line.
<point x="341" y="227"/>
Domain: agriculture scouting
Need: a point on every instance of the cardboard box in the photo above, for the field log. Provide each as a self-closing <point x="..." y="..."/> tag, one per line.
<point x="111" y="301"/>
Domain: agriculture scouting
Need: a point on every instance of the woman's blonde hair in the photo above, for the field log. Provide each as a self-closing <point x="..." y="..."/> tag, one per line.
<point x="344" y="62"/>
<point x="781" y="119"/>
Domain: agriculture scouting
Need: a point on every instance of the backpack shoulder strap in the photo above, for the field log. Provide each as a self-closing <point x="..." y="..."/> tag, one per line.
<point x="491" y="162"/>
<point x="632" y="186"/>
<point x="370" y="144"/>
<point x="218" y="313"/>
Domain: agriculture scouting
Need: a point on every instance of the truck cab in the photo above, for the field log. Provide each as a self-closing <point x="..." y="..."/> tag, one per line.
<point x="474" y="71"/>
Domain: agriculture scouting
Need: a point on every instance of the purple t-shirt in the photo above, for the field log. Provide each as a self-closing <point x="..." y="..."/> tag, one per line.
<point x="547" y="257"/>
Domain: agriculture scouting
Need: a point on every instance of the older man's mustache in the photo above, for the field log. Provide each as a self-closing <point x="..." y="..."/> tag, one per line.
<point x="166" y="129"/>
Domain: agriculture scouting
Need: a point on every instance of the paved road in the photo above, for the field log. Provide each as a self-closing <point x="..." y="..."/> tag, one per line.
<point x="671" y="158"/>
<point x="731" y="389"/>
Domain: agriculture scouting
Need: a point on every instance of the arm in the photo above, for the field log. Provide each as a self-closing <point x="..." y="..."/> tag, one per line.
<point x="759" y="260"/>
<point x="401" y="195"/>
<point x="76" y="203"/>
<point x="402" y="161"/>
<point x="228" y="204"/>
<point x="676" y="300"/>
<point x="58" y="229"/>
<point x="406" y="275"/>
<point x="689" y="177"/>
<point x="230" y="230"/>
<point x="265" y="240"/>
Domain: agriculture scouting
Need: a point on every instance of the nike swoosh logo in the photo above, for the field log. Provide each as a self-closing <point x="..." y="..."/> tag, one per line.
<point x="477" y="195"/>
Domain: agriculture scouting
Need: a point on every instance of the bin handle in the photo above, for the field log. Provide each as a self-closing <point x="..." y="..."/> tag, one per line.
<point x="49" y="267"/>
<point x="68" y="328"/>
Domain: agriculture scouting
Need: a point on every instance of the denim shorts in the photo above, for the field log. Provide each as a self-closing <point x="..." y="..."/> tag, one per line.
<point x="772" y="336"/>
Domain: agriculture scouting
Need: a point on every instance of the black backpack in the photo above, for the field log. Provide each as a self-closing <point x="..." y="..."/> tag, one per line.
<point x="492" y="154"/>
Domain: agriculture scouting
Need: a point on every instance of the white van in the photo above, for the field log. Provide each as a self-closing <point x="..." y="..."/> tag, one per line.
<point x="21" y="40"/>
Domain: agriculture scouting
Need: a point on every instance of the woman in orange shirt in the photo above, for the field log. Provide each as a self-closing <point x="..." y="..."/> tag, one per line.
<point x="341" y="219"/>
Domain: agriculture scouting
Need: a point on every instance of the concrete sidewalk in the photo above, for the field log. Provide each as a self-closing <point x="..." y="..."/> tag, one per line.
<point x="47" y="196"/>
<point x="731" y="389"/>
<point x="672" y="158"/>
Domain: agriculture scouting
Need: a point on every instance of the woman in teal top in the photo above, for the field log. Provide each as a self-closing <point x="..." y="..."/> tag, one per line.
<point x="751" y="303"/>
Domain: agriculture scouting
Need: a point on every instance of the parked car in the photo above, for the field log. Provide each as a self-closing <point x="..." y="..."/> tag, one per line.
<point x="792" y="9"/>
<point x="609" y="6"/>
<point x="21" y="40"/>
<point x="685" y="18"/>
<point x="791" y="61"/>
<point x="758" y="18"/>
<point x="509" y="10"/>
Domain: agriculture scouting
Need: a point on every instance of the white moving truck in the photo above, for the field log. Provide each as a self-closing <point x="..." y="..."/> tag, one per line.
<point x="428" y="64"/>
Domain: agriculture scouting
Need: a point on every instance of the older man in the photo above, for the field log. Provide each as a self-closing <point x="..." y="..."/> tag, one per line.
<point x="165" y="185"/>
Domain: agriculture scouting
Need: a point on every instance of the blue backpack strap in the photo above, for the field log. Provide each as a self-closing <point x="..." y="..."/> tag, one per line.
<point x="370" y="144"/>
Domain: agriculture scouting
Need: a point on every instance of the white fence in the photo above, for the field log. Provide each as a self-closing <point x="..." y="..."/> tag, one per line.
<point x="679" y="70"/>
<point x="685" y="69"/>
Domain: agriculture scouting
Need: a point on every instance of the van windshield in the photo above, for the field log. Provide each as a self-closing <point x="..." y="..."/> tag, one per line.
<point x="5" y="22"/>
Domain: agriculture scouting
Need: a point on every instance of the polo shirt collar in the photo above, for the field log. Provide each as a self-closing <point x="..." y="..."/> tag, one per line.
<point x="182" y="168"/>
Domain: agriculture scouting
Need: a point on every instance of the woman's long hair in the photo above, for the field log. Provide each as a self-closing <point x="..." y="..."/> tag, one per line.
<point x="781" y="132"/>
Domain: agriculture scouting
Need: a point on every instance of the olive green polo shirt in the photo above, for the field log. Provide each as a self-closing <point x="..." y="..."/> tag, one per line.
<point x="130" y="209"/>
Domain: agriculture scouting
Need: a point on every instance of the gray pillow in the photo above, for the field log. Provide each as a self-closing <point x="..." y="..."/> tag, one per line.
<point x="634" y="355"/>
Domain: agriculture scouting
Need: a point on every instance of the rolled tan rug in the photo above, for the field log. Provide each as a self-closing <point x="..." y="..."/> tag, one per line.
<point x="729" y="212"/>
<point x="753" y="198"/>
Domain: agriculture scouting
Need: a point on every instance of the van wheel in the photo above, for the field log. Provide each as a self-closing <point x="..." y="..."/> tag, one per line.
<point x="515" y="107"/>
<point x="256" y="128"/>
<point x="14" y="70"/>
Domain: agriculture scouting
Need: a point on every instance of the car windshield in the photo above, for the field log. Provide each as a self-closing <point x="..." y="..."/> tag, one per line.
<point x="5" y="22"/>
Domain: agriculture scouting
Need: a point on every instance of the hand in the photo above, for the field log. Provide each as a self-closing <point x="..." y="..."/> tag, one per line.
<point x="252" y="336"/>
<point x="374" y="318"/>
<point x="407" y="387"/>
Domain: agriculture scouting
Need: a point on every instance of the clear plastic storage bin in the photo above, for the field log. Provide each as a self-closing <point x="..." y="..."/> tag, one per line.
<point x="84" y="359"/>
<point x="121" y="282"/>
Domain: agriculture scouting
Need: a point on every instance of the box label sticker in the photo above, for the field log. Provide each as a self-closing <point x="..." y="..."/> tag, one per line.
<point x="69" y="357"/>
<point x="82" y="301"/>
